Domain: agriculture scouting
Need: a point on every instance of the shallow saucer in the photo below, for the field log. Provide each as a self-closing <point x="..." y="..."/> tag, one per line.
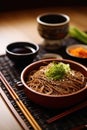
<point x="51" y="55"/>
<point x="80" y="49"/>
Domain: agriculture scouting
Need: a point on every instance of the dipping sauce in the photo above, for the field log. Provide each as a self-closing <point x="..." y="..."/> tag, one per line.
<point x="53" y="18"/>
<point x="23" y="50"/>
<point x="78" y="52"/>
<point x="22" y="53"/>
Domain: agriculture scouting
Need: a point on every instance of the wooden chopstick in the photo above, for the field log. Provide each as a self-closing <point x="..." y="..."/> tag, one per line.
<point x="80" y="127"/>
<point x="20" y="104"/>
<point x="67" y="112"/>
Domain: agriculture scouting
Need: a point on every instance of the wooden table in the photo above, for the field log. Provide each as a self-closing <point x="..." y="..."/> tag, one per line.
<point x="22" y="25"/>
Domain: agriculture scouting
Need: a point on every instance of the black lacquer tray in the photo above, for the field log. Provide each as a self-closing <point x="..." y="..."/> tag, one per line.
<point x="12" y="74"/>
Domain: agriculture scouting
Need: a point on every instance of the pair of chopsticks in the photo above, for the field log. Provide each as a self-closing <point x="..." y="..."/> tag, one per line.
<point x="67" y="112"/>
<point x="20" y="104"/>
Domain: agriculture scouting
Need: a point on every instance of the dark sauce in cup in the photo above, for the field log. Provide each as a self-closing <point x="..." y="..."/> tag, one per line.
<point x="53" y="19"/>
<point x="23" y="50"/>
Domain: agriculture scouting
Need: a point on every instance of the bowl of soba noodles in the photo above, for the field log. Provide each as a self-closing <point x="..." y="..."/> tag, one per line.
<point x="55" y="83"/>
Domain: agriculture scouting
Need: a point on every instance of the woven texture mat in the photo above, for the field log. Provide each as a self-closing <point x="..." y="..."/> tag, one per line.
<point x="12" y="74"/>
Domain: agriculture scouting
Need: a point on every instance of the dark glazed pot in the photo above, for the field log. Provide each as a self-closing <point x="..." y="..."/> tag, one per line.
<point x="53" y="26"/>
<point x="22" y="53"/>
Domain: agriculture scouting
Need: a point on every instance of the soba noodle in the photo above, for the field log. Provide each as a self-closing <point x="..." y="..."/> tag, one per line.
<point x="38" y="81"/>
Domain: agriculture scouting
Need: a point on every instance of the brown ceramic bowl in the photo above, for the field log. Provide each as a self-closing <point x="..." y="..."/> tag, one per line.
<point x="50" y="101"/>
<point x="53" y="26"/>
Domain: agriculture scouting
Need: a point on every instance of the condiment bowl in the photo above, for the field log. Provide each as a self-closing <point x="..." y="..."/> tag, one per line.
<point x="22" y="53"/>
<point x="54" y="101"/>
<point x="53" y="28"/>
<point x="51" y="56"/>
<point x="77" y="52"/>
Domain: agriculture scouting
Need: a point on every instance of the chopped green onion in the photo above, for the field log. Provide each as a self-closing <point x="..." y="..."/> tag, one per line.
<point x="57" y="71"/>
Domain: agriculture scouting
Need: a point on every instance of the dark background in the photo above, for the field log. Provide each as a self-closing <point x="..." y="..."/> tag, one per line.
<point x="6" y="5"/>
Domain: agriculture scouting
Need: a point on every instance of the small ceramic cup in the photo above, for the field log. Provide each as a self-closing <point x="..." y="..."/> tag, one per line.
<point x="53" y="27"/>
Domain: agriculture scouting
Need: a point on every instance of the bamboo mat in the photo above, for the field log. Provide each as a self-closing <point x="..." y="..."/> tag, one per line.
<point x="40" y="114"/>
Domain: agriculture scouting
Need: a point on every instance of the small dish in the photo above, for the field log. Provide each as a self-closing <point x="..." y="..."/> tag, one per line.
<point x="77" y="51"/>
<point x="51" y="55"/>
<point x="22" y="53"/>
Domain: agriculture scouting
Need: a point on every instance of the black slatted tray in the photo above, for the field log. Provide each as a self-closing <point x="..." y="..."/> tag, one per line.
<point x="12" y="74"/>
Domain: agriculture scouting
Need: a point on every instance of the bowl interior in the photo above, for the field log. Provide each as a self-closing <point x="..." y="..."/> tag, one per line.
<point x="52" y="19"/>
<point x="36" y="65"/>
<point x="22" y="48"/>
<point x="78" y="51"/>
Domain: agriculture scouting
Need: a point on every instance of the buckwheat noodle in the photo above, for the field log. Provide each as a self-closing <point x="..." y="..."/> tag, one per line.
<point x="70" y="83"/>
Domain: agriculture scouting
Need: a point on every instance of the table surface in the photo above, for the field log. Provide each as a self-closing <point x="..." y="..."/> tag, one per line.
<point x="22" y="25"/>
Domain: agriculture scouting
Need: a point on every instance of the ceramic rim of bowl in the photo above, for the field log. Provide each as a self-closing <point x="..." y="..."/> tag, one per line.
<point x="55" y="24"/>
<point x="66" y="95"/>
<point x="73" y="46"/>
<point x="24" y="54"/>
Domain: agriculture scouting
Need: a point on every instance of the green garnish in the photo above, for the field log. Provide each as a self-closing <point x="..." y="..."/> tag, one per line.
<point x="56" y="71"/>
<point x="78" y="34"/>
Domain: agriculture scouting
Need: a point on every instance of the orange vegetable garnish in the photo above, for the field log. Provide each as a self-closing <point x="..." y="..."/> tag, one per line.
<point x="79" y="52"/>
